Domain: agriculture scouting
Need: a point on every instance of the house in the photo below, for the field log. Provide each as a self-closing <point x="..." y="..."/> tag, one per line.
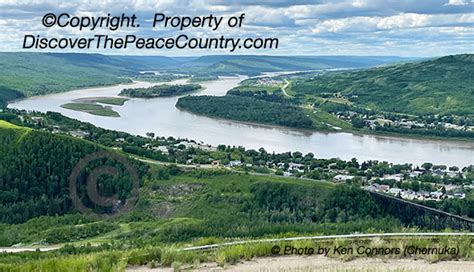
<point x="215" y="163"/>
<point x="408" y="194"/>
<point x="452" y="174"/>
<point x="235" y="163"/>
<point x="341" y="178"/>
<point x="79" y="133"/>
<point x="438" y="172"/>
<point x="460" y="195"/>
<point x="163" y="149"/>
<point x="414" y="174"/>
<point x="295" y="166"/>
<point x="37" y="120"/>
<point x="394" y="191"/>
<point x="372" y="188"/>
<point x="120" y="140"/>
<point x="287" y="174"/>
<point x="396" y="177"/>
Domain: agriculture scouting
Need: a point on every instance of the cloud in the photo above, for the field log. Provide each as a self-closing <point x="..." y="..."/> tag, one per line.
<point x="401" y="21"/>
<point x="457" y="2"/>
<point x="316" y="27"/>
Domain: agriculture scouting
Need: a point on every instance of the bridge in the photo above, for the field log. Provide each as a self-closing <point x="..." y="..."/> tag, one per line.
<point x="435" y="218"/>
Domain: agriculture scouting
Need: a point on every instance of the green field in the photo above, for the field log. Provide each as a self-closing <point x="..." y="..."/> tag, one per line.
<point x="92" y="109"/>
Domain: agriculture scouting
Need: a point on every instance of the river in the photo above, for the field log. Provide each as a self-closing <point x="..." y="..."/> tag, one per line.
<point x="160" y="116"/>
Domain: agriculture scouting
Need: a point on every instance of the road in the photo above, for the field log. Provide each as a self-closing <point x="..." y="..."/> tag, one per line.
<point x="283" y="89"/>
<point x="322" y="237"/>
<point x="326" y="237"/>
<point x="23" y="249"/>
<point x="208" y="166"/>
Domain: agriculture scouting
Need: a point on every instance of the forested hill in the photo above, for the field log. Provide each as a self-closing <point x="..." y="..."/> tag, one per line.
<point x="29" y="73"/>
<point x="34" y="171"/>
<point x="26" y="74"/>
<point x="438" y="86"/>
<point x="252" y="65"/>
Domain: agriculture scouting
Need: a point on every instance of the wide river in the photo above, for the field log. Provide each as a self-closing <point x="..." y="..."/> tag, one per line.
<point x="160" y="116"/>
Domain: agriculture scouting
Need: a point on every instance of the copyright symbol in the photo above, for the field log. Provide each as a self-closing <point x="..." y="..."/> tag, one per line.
<point x="275" y="250"/>
<point x="100" y="162"/>
<point x="49" y="20"/>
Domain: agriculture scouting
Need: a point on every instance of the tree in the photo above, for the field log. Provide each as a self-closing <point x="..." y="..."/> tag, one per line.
<point x="427" y="165"/>
<point x="358" y="122"/>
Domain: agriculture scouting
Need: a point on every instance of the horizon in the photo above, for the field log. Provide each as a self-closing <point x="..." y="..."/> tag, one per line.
<point x="236" y="55"/>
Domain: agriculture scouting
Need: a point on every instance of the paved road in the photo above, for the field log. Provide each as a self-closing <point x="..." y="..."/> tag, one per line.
<point x="323" y="237"/>
<point x="23" y="249"/>
<point x="326" y="237"/>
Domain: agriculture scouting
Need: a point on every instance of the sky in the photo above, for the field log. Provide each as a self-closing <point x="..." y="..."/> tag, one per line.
<point x="412" y="28"/>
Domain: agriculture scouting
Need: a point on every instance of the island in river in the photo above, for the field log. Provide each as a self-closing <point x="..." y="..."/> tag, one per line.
<point x="93" y="105"/>
<point x="163" y="90"/>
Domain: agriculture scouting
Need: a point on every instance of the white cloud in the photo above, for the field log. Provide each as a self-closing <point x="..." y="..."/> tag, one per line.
<point x="319" y="27"/>
<point x="457" y="2"/>
<point x="405" y="20"/>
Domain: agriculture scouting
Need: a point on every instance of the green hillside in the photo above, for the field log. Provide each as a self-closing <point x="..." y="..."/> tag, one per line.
<point x="34" y="171"/>
<point x="27" y="74"/>
<point x="35" y="167"/>
<point x="177" y="207"/>
<point x="439" y="86"/>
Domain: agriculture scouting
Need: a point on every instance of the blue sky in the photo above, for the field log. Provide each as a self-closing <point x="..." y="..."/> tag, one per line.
<point x="304" y="27"/>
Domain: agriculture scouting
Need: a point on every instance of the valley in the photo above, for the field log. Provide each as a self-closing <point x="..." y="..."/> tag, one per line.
<point x="239" y="158"/>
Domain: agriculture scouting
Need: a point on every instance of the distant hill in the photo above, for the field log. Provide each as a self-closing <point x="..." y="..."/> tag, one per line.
<point x="27" y="74"/>
<point x="438" y="86"/>
<point x="38" y="73"/>
<point x="242" y="64"/>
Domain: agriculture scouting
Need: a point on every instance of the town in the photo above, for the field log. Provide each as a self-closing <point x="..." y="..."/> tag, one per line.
<point x="426" y="182"/>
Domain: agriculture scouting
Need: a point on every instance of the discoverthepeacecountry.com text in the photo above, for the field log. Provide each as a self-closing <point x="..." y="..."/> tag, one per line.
<point x="177" y="40"/>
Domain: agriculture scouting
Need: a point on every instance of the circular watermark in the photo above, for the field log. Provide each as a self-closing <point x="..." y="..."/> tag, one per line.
<point x="49" y="20"/>
<point x="92" y="181"/>
<point x="275" y="250"/>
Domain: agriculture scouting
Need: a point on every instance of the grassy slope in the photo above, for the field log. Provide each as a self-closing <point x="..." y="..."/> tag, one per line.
<point x="438" y="86"/>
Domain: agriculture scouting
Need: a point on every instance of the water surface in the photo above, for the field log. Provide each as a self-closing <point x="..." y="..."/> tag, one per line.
<point x="159" y="115"/>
